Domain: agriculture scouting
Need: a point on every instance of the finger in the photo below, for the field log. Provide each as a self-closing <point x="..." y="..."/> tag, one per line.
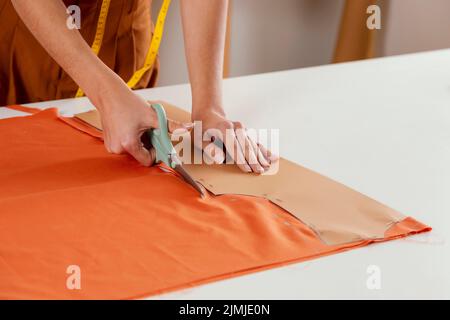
<point x="264" y="152"/>
<point x="247" y="148"/>
<point x="248" y="152"/>
<point x="107" y="147"/>
<point x="261" y="158"/>
<point x="268" y="154"/>
<point x="172" y="125"/>
<point x="106" y="143"/>
<point x="213" y="146"/>
<point x="106" y="139"/>
<point x="152" y="152"/>
<point x="239" y="156"/>
<point x="136" y="149"/>
<point x="231" y="142"/>
<point x="176" y="125"/>
<point x="115" y="148"/>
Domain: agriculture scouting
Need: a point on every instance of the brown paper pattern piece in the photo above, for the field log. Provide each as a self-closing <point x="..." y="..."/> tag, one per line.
<point x="336" y="213"/>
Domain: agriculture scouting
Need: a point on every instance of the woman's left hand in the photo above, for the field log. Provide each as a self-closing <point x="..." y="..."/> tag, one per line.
<point x="249" y="155"/>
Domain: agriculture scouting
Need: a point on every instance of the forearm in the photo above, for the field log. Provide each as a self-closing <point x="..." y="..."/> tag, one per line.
<point x="46" y="19"/>
<point x="204" y="27"/>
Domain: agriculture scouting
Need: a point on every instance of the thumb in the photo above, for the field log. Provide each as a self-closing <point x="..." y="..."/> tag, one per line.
<point x="176" y="125"/>
<point x="171" y="124"/>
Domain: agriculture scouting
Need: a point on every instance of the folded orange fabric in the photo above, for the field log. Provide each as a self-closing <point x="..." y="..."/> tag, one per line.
<point x="133" y="231"/>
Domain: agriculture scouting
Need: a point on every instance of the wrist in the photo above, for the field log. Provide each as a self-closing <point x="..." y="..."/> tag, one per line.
<point x="103" y="88"/>
<point x="207" y="101"/>
<point x="204" y="110"/>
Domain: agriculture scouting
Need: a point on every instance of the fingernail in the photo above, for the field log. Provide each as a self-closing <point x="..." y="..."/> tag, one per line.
<point x="274" y="158"/>
<point x="265" y="164"/>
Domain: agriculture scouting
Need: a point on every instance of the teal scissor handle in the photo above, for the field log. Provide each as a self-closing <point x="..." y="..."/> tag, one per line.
<point x="159" y="137"/>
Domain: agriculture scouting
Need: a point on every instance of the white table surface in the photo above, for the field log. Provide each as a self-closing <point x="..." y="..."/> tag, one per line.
<point x="381" y="127"/>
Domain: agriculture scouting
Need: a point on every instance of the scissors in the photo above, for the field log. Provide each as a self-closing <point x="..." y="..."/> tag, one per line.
<point x="165" y="152"/>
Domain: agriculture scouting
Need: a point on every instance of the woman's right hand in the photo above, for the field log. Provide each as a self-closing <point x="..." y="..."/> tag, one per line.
<point x="125" y="118"/>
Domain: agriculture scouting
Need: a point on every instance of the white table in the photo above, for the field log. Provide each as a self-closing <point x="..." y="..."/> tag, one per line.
<point x="381" y="127"/>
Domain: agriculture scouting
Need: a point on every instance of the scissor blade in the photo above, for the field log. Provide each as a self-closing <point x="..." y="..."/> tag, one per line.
<point x="178" y="168"/>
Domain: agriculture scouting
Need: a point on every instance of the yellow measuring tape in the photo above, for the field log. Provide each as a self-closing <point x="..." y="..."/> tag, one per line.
<point x="154" y="45"/>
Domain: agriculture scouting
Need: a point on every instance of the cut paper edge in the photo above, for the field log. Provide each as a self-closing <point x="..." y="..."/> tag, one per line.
<point x="402" y="229"/>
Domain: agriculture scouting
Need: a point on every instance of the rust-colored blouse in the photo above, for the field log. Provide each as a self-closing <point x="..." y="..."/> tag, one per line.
<point x="29" y="74"/>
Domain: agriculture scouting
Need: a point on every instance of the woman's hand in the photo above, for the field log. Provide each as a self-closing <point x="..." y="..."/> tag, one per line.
<point x="125" y="117"/>
<point x="204" y="28"/>
<point x="249" y="155"/>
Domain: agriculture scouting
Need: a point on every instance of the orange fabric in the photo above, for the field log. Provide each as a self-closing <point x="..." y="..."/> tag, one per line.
<point x="29" y="74"/>
<point x="133" y="231"/>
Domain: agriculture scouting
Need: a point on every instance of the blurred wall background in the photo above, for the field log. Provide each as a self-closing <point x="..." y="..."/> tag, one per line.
<point x="416" y="25"/>
<point x="269" y="35"/>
